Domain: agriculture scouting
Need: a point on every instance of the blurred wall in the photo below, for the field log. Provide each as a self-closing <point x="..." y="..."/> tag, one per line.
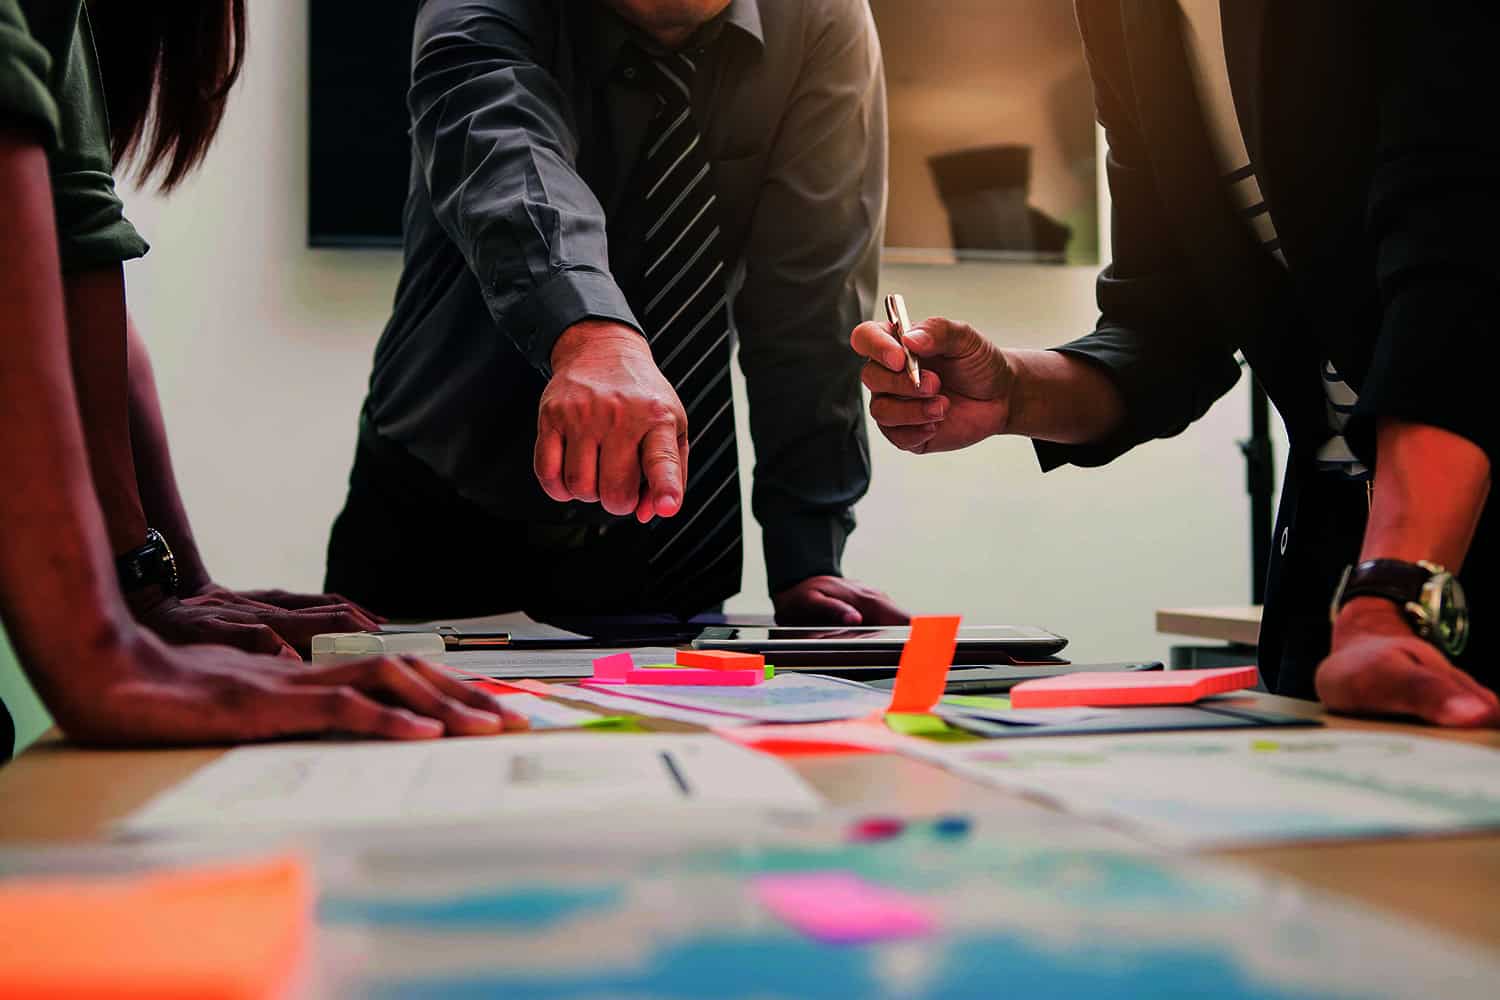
<point x="262" y="349"/>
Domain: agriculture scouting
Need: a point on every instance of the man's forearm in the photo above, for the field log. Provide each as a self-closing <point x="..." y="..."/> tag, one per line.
<point x="1430" y="490"/>
<point x="1061" y="398"/>
<point x="156" y="481"/>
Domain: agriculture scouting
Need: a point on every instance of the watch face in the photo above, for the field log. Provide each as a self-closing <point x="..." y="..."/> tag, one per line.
<point x="1447" y="612"/>
<point x="166" y="560"/>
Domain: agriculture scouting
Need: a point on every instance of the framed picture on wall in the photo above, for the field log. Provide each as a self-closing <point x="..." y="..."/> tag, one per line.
<point x="991" y="130"/>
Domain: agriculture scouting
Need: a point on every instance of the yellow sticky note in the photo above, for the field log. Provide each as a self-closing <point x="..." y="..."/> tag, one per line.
<point x="995" y="703"/>
<point x="928" y="727"/>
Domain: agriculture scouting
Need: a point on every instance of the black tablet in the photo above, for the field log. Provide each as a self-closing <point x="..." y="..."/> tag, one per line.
<point x="875" y="646"/>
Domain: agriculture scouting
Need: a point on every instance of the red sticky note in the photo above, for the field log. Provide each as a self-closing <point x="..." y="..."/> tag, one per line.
<point x="842" y="908"/>
<point x="495" y="687"/>
<point x="219" y="932"/>
<point x="1172" y="687"/>
<point x="696" y="677"/>
<point x="720" y="659"/>
<point x="925" y="660"/>
<point x="612" y="669"/>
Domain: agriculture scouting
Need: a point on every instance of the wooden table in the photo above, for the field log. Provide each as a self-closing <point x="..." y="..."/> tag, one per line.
<point x="55" y="794"/>
<point x="1239" y="625"/>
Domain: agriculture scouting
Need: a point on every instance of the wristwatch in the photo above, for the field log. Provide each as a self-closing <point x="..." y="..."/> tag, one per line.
<point x="151" y="565"/>
<point x="1427" y="594"/>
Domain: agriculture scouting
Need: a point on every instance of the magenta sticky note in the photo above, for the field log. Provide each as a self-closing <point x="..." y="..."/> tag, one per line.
<point x="695" y="677"/>
<point x="842" y="908"/>
<point x="613" y="669"/>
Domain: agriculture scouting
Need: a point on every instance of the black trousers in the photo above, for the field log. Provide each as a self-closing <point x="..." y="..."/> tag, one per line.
<point x="407" y="546"/>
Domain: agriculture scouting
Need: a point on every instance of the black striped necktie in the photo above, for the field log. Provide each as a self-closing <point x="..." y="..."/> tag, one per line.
<point x="681" y="303"/>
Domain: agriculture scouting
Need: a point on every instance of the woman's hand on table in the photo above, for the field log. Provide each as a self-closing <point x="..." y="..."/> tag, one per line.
<point x="273" y="622"/>
<point x="155" y="694"/>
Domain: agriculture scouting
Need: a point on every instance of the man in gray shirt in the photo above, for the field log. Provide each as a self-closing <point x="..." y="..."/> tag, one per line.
<point x="605" y="195"/>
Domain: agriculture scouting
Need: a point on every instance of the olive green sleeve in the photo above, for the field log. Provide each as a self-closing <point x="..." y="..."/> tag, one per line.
<point x="92" y="230"/>
<point x="25" y="97"/>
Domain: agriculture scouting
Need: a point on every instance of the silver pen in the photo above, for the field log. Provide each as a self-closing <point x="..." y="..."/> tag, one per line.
<point x="895" y="311"/>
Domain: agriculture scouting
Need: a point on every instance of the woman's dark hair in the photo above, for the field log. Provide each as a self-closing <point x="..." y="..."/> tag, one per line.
<point x="167" y="67"/>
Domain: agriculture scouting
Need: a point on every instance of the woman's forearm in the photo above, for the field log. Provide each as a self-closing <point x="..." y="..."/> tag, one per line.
<point x="1430" y="489"/>
<point x="155" y="478"/>
<point x="58" y="592"/>
<point x="97" y="349"/>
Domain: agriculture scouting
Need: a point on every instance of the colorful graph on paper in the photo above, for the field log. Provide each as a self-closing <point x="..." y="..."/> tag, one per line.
<point x="1012" y="917"/>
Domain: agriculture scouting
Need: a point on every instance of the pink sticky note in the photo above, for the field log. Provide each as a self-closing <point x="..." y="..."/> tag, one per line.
<point x="612" y="669"/>
<point x="719" y="659"/>
<point x="695" y="677"/>
<point x="841" y="908"/>
<point x="1172" y="687"/>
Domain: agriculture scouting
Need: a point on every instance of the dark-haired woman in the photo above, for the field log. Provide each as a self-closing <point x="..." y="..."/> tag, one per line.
<point x="89" y="513"/>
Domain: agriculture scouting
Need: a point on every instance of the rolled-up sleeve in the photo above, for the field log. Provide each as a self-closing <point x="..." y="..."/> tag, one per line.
<point x="1154" y="338"/>
<point x="812" y="268"/>
<point x="498" y="149"/>
<point x="1434" y="209"/>
<point x="25" y="99"/>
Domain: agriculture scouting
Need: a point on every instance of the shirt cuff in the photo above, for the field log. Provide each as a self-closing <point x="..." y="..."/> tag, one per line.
<point x="566" y="298"/>
<point x="799" y="546"/>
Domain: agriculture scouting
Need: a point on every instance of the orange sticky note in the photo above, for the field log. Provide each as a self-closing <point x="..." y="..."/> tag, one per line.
<point x="218" y="932"/>
<point x="925" y="660"/>
<point x="720" y="659"/>
<point x="1172" y="687"/>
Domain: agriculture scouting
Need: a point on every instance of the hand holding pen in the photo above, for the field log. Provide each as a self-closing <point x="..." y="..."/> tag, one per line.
<point x="960" y="392"/>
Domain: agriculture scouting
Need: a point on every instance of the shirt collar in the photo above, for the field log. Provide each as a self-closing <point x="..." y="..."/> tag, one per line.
<point x="611" y="33"/>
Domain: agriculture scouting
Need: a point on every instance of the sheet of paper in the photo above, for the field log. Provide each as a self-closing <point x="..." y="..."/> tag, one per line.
<point x="304" y="786"/>
<point x="801" y="740"/>
<point x="783" y="698"/>
<point x="607" y="911"/>
<point x="554" y="663"/>
<point x="544" y="714"/>
<point x="632" y="706"/>
<point x="517" y="623"/>
<point x="1020" y="716"/>
<point x="1202" y="789"/>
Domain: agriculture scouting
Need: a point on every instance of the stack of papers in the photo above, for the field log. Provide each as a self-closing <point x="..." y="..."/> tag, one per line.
<point x="351" y="786"/>
<point x="783" y="698"/>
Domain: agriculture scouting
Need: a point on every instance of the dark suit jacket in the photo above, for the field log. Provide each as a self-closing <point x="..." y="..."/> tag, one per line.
<point x="1383" y="178"/>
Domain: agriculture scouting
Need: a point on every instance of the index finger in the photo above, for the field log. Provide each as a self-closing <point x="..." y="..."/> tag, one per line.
<point x="877" y="342"/>
<point x="662" y="463"/>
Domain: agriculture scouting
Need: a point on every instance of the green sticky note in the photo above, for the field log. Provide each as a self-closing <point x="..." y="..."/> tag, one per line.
<point x="916" y="723"/>
<point x="928" y="727"/>
<point x="616" y="724"/>
<point x="991" y="702"/>
<point x="770" y="671"/>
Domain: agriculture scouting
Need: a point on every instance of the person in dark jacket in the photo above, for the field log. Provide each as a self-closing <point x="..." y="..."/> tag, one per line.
<point x="1317" y="187"/>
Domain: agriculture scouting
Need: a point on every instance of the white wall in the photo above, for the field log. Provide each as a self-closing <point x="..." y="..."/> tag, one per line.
<point x="262" y="348"/>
